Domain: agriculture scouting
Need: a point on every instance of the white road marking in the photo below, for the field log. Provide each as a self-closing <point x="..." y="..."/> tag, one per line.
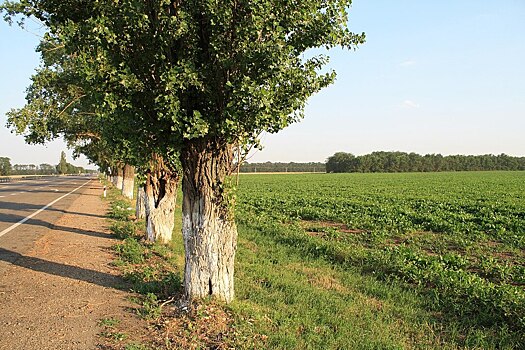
<point x="12" y="227"/>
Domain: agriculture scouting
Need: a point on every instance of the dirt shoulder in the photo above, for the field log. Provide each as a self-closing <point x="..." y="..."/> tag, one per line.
<point x="55" y="296"/>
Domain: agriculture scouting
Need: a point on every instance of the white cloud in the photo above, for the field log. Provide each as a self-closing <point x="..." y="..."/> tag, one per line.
<point x="410" y="104"/>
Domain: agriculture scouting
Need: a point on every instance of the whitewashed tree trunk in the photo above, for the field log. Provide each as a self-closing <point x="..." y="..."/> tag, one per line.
<point x="128" y="181"/>
<point x="140" y="207"/>
<point x="161" y="219"/>
<point x="160" y="197"/>
<point x="114" y="176"/>
<point x="208" y="226"/>
<point x="119" y="178"/>
<point x="149" y="206"/>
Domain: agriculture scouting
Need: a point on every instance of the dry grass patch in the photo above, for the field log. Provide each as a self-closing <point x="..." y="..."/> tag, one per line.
<point x="202" y="326"/>
<point x="328" y="229"/>
<point x="319" y="278"/>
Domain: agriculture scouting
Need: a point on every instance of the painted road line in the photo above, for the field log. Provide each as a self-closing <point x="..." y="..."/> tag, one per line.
<point x="12" y="227"/>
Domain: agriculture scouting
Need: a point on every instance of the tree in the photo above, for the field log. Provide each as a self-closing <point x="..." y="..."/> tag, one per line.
<point x="248" y="76"/>
<point x="71" y="96"/>
<point x="62" y="165"/>
<point x="5" y="166"/>
<point x="46" y="169"/>
<point x="341" y="162"/>
<point x="207" y="77"/>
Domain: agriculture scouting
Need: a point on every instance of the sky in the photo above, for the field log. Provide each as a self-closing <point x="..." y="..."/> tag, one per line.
<point x="433" y="77"/>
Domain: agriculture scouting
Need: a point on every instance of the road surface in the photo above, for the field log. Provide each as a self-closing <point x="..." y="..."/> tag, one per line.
<point x="57" y="277"/>
<point x="28" y="208"/>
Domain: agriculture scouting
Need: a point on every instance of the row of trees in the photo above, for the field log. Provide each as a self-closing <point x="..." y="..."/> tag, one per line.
<point x="41" y="169"/>
<point x="391" y="162"/>
<point x="63" y="167"/>
<point x="270" y="167"/>
<point x="177" y="90"/>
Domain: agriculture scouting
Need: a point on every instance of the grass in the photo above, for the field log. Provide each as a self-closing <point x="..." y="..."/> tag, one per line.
<point x="354" y="261"/>
<point x="136" y="346"/>
<point x="300" y="301"/>
<point x="109" y="322"/>
<point x="109" y="332"/>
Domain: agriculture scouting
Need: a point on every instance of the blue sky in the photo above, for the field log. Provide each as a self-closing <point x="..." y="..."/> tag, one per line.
<point x="433" y="77"/>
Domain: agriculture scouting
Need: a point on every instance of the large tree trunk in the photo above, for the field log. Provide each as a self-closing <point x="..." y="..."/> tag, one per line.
<point x="120" y="177"/>
<point x="160" y="197"/>
<point x="208" y="226"/>
<point x="140" y="207"/>
<point x="128" y="181"/>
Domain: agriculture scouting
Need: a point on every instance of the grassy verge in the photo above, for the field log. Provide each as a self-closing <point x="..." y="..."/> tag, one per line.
<point x="154" y="275"/>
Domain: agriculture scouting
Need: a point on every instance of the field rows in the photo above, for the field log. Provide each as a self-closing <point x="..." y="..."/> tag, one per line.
<point x="456" y="238"/>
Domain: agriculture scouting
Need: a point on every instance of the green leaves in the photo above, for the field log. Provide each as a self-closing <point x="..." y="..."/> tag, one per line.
<point x="237" y="63"/>
<point x="196" y="126"/>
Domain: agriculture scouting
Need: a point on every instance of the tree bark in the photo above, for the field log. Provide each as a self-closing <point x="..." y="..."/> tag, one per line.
<point x="140" y="207"/>
<point x="128" y="181"/>
<point x="160" y="197"/>
<point x="119" y="178"/>
<point x="208" y="226"/>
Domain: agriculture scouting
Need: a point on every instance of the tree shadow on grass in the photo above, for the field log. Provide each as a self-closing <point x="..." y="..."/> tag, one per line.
<point x="62" y="270"/>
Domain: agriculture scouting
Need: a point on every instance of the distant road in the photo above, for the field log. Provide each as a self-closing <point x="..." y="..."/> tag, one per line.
<point x="29" y="207"/>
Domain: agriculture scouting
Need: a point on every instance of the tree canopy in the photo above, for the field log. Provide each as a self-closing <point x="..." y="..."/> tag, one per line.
<point x="200" y="68"/>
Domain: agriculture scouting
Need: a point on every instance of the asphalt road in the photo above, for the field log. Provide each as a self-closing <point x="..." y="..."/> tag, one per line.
<point x="28" y="208"/>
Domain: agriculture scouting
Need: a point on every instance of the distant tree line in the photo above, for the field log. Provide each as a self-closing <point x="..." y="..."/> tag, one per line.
<point x="270" y="167"/>
<point x="32" y="169"/>
<point x="63" y="167"/>
<point x="391" y="162"/>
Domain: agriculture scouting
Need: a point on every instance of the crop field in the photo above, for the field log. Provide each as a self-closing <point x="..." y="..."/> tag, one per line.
<point x="381" y="261"/>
